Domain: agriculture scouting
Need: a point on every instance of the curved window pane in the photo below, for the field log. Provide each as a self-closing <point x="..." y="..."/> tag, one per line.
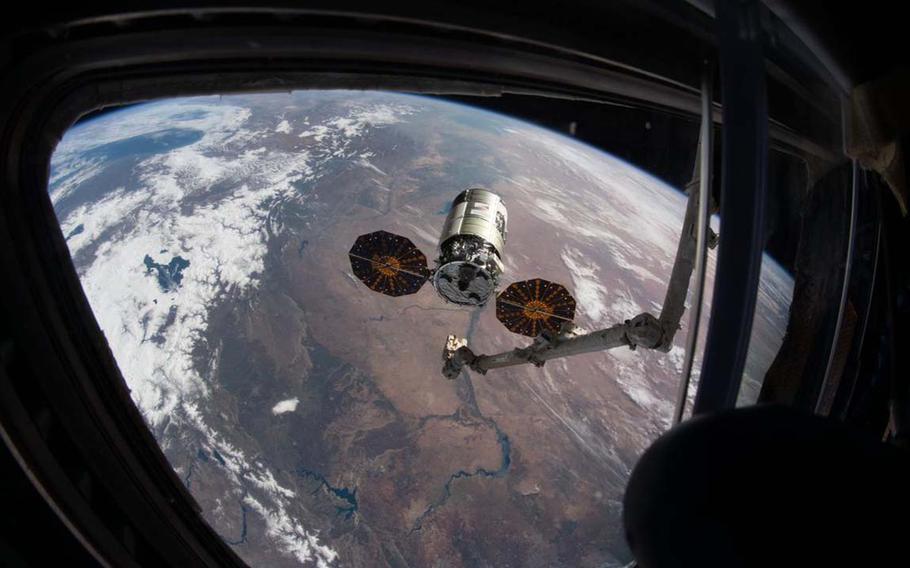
<point x="305" y="411"/>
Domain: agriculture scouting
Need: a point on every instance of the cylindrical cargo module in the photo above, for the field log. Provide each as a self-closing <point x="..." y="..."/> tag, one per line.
<point x="471" y="247"/>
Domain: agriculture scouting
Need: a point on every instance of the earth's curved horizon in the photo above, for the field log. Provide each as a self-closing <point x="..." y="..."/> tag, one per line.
<point x="307" y="414"/>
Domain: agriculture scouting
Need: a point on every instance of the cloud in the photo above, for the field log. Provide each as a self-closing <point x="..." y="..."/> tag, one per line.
<point x="209" y="203"/>
<point x="590" y="295"/>
<point x="283" y="127"/>
<point x="289" y="405"/>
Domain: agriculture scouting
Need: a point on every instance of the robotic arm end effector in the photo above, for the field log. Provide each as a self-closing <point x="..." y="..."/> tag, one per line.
<point x="455" y="355"/>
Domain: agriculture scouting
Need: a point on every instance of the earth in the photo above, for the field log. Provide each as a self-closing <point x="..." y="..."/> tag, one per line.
<point x="307" y="414"/>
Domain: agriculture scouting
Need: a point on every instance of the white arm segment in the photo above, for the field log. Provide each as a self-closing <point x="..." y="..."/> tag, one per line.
<point x="643" y="330"/>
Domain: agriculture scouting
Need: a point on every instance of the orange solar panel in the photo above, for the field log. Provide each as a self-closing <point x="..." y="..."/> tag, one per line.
<point x="388" y="263"/>
<point x="532" y="306"/>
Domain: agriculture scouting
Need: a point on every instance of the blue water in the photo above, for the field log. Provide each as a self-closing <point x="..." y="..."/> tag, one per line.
<point x="134" y="148"/>
<point x="218" y="457"/>
<point x="243" y="527"/>
<point x="343" y="493"/>
<point x="169" y="275"/>
<point x="190" y="115"/>
<point x="79" y="229"/>
<point x="145" y="144"/>
<point x="506" y="449"/>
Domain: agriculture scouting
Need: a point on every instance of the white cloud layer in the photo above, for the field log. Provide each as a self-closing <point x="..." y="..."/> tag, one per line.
<point x="169" y="213"/>
<point x="289" y="405"/>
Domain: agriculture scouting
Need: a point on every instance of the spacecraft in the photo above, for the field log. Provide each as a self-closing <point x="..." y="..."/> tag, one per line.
<point x="467" y="269"/>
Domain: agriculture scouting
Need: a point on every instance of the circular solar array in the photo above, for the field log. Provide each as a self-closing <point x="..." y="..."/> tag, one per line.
<point x="388" y="263"/>
<point x="532" y="306"/>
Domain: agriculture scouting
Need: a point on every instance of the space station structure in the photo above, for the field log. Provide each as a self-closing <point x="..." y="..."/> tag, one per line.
<point x="469" y="263"/>
<point x="468" y="267"/>
<point x="545" y="311"/>
<point x="468" y="270"/>
<point x="471" y="248"/>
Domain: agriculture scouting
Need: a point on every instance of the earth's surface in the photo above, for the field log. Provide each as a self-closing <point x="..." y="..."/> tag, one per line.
<point x="307" y="414"/>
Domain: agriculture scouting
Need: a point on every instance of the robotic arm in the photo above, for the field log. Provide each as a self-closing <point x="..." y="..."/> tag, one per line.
<point x="644" y="330"/>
